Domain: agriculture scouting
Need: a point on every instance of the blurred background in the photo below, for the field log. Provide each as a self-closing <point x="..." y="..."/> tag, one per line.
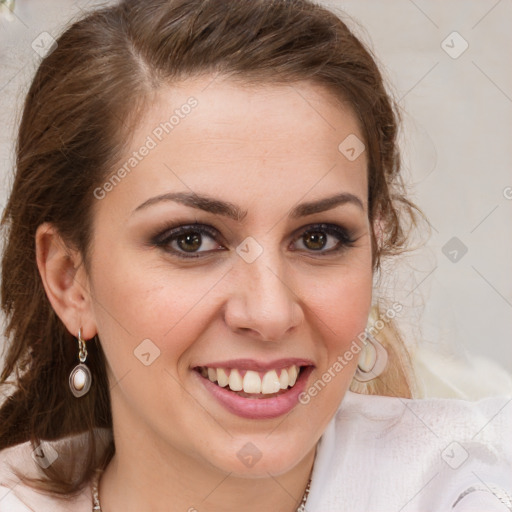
<point x="446" y="65"/>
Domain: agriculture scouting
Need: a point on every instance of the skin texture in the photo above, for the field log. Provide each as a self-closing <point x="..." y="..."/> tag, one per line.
<point x="266" y="149"/>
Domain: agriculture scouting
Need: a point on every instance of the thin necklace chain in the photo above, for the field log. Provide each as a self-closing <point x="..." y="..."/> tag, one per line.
<point x="96" y="507"/>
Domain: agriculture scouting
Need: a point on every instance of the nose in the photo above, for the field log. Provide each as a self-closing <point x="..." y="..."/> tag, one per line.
<point x="262" y="301"/>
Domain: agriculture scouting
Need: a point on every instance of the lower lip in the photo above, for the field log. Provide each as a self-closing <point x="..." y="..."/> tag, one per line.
<point x="258" y="408"/>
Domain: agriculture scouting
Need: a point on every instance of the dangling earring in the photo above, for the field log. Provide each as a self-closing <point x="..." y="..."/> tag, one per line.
<point x="80" y="378"/>
<point x="372" y="360"/>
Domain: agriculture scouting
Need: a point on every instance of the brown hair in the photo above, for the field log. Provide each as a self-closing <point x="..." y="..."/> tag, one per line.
<point x="78" y="115"/>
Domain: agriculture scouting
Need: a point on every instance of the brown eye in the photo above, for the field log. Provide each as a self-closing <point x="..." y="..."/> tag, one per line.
<point x="315" y="240"/>
<point x="189" y="242"/>
<point x="324" y="239"/>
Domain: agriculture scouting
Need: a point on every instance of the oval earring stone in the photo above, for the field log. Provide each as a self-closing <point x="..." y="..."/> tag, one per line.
<point x="368" y="358"/>
<point x="80" y="380"/>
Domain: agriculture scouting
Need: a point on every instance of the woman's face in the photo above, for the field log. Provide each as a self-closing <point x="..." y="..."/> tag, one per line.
<point x="235" y="247"/>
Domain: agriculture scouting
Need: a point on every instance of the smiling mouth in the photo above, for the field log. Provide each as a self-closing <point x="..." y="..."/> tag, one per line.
<point x="253" y="384"/>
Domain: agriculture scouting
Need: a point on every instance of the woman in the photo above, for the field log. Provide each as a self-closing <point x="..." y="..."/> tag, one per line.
<point x="204" y="192"/>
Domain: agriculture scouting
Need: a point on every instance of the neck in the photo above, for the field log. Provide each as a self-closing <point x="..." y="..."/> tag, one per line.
<point x="151" y="477"/>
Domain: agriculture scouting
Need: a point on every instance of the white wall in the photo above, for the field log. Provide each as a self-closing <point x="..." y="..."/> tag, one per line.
<point x="458" y="132"/>
<point x="457" y="118"/>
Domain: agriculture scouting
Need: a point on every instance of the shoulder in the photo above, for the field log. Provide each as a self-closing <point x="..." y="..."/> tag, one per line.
<point x="17" y="496"/>
<point x="416" y="454"/>
<point x="26" y="460"/>
<point x="456" y="430"/>
<point x="10" y="459"/>
<point x="484" y="420"/>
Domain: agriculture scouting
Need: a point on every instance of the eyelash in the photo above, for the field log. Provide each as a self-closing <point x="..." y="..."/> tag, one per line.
<point x="164" y="239"/>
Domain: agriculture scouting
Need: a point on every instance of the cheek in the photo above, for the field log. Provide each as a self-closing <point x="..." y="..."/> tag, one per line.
<point x="338" y="310"/>
<point x="134" y="302"/>
<point x="340" y="300"/>
<point x="341" y="320"/>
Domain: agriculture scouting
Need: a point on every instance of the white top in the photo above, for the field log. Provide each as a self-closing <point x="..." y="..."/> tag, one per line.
<point x="377" y="454"/>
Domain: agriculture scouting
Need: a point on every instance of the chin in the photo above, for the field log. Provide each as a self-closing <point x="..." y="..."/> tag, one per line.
<point x="256" y="457"/>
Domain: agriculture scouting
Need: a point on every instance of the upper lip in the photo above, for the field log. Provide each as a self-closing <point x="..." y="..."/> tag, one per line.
<point x="253" y="364"/>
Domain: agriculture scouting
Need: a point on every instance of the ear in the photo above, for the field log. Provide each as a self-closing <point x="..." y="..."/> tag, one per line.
<point x="65" y="281"/>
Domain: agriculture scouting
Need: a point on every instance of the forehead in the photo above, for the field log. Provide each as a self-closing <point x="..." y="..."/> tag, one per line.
<point x="217" y="136"/>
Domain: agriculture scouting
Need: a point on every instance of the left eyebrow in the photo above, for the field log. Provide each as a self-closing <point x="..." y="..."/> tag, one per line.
<point x="233" y="211"/>
<point x="325" y="204"/>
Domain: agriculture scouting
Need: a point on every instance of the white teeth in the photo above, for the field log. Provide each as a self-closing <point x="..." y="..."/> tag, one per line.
<point x="235" y="381"/>
<point x="251" y="382"/>
<point x="292" y="375"/>
<point x="222" y="377"/>
<point x="270" y="383"/>
<point x="283" y="379"/>
<point x="212" y="374"/>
